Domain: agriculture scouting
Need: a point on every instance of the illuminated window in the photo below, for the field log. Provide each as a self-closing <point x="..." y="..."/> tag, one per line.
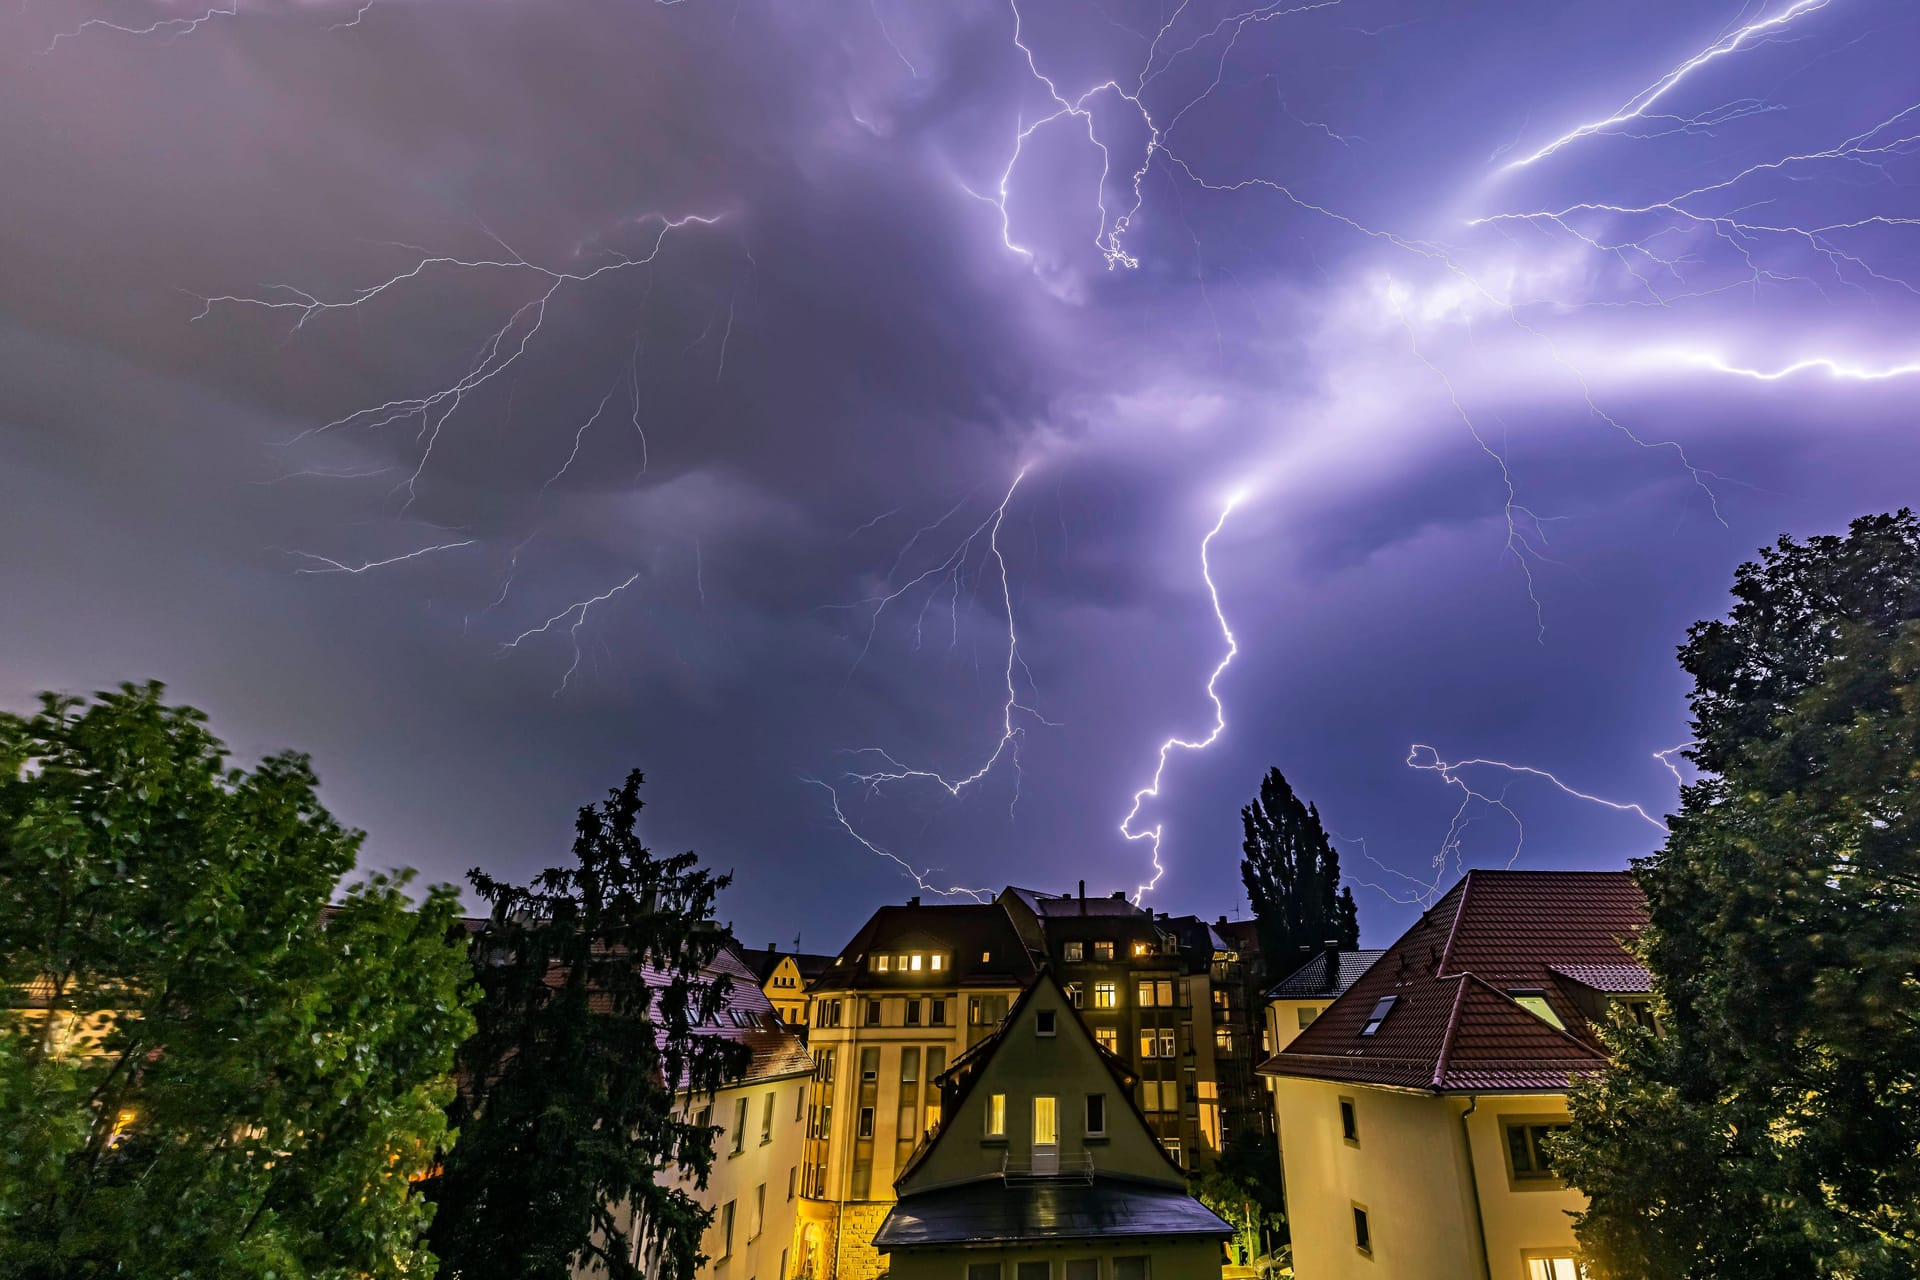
<point x="986" y="957"/>
<point x="1108" y="1038"/>
<point x="1166" y="1043"/>
<point x="997" y="1116"/>
<point x="1381" y="1009"/>
<point x="1149" y="1045"/>
<point x="937" y="963"/>
<point x="882" y="963"/>
<point x="1103" y="951"/>
<point x="1106" y="995"/>
<point x="914" y="961"/>
<point x="1141" y="948"/>
<point x="1553" y="1267"/>
<point x="1073" y="952"/>
<point x="1534" y="1001"/>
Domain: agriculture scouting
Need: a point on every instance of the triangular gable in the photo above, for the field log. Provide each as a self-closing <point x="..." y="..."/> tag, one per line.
<point x="1019" y="1064"/>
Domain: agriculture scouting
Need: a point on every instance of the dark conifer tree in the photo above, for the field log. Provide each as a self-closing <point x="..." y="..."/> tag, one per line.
<point x="1292" y="874"/>
<point x="592" y="991"/>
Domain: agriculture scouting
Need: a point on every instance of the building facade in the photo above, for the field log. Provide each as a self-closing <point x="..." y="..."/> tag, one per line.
<point x="1043" y="1169"/>
<point x="910" y="992"/>
<point x="783" y="976"/>
<point x="1413" y="1111"/>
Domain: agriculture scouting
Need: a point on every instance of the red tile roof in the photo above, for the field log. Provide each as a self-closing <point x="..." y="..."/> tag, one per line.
<point x="1453" y="1026"/>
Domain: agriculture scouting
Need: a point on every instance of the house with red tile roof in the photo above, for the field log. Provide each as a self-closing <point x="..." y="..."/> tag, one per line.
<point x="1413" y="1111"/>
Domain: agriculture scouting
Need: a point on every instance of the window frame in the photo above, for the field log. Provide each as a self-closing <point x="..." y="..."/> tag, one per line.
<point x="1111" y="990"/>
<point x="1362" y="1229"/>
<point x="1045" y="1023"/>
<point x="996" y="1110"/>
<point x="1382" y="1010"/>
<point x="1544" y="1180"/>
<point x="1094" y="1102"/>
<point x="1349" y="1121"/>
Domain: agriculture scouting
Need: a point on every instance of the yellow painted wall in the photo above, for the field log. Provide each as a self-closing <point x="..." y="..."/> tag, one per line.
<point x="788" y="992"/>
<point x="734" y="1178"/>
<point x="1520" y="1216"/>
<point x="1409" y="1171"/>
<point x="1283" y="1020"/>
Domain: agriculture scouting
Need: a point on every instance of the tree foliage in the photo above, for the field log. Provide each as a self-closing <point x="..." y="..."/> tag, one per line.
<point x="268" y="1076"/>
<point x="1774" y="1128"/>
<point x="593" y="991"/>
<point x="1292" y="874"/>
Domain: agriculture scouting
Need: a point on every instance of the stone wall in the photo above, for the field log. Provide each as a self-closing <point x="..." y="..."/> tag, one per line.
<point x="833" y="1240"/>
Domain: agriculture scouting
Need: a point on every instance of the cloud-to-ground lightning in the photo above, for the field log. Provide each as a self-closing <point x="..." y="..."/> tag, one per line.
<point x="1153" y="835"/>
<point x="1636" y="106"/>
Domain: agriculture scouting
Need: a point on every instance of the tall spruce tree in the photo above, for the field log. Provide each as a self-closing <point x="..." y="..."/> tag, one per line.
<point x="1292" y="874"/>
<point x="593" y="985"/>
<point x="1774" y="1128"/>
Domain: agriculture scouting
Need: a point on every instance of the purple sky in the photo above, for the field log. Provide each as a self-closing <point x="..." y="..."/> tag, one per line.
<point x="738" y="320"/>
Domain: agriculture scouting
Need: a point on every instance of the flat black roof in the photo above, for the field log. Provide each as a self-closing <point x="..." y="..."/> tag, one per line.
<point x="990" y="1212"/>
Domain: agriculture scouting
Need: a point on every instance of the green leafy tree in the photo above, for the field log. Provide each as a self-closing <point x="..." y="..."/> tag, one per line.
<point x="1774" y="1128"/>
<point x="594" y="987"/>
<point x="204" y="1070"/>
<point x="1292" y="874"/>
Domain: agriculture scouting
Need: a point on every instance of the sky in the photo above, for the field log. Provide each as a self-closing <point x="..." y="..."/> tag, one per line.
<point x="825" y="408"/>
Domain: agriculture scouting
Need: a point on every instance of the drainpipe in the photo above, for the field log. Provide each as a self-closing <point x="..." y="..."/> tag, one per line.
<point x="1473" y="1181"/>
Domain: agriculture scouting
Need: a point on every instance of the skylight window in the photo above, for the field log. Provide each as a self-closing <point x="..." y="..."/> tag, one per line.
<point x="1534" y="1001"/>
<point x="1381" y="1009"/>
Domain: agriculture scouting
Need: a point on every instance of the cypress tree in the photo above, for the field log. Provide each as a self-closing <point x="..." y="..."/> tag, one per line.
<point x="1292" y="874"/>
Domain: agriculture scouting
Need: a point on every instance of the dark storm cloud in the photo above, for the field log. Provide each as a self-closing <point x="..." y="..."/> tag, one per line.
<point x="851" y="351"/>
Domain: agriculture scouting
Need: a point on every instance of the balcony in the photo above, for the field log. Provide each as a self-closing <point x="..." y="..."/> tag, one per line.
<point x="1047" y="1167"/>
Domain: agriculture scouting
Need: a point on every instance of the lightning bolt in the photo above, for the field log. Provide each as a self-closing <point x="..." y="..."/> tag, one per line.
<point x="330" y="565"/>
<point x="918" y="876"/>
<point x="1154" y="833"/>
<point x="1636" y="106"/>
<point x="578" y="610"/>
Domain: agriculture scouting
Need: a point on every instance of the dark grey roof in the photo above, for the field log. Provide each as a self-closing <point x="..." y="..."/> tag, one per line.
<point x="983" y="948"/>
<point x="991" y="1212"/>
<point x="1070" y="904"/>
<point x="1320" y="979"/>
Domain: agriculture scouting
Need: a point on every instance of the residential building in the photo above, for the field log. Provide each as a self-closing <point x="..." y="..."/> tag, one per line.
<point x="1414" y="1109"/>
<point x="784" y="976"/>
<point x="1303" y="995"/>
<point x="754" y="1185"/>
<point x="907" y="995"/>
<point x="1043" y="1168"/>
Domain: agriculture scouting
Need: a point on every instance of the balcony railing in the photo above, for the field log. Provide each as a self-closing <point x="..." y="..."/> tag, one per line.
<point x="1047" y="1168"/>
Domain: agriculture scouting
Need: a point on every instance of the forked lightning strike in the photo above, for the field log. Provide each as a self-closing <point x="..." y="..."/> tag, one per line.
<point x="1154" y="833"/>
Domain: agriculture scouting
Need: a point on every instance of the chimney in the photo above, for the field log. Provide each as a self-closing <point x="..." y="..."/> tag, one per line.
<point x="1083" y="897"/>
<point x="914" y="901"/>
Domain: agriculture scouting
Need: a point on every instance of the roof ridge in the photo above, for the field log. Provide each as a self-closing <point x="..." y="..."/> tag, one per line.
<point x="1453" y="929"/>
<point x="1446" y="1037"/>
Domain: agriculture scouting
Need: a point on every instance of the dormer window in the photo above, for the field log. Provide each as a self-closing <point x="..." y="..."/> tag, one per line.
<point x="882" y="964"/>
<point x="1534" y="1001"/>
<point x="1381" y="1008"/>
<point x="936" y="962"/>
<point x="914" y="961"/>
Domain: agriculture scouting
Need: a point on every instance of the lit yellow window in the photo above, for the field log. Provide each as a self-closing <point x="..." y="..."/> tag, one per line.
<point x="997" y="1116"/>
<point x="1046" y="1123"/>
<point x="914" y="960"/>
<point x="937" y="963"/>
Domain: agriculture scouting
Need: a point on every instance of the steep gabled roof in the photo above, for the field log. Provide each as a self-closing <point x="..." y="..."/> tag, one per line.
<point x="763" y="963"/>
<point x="1453" y="1025"/>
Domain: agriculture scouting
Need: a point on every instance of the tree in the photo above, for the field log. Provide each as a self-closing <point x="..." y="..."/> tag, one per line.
<point x="204" y="1069"/>
<point x="1774" y="1128"/>
<point x="593" y="990"/>
<point x="1292" y="874"/>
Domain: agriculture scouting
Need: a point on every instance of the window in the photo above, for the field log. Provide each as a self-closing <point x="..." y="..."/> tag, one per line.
<point x="704" y="1117"/>
<point x="1381" y="1008"/>
<point x="983" y="1271"/>
<point x="1106" y="995"/>
<point x="793" y="1178"/>
<point x="936" y="962"/>
<point x="866" y="1122"/>
<point x="938" y="1011"/>
<point x="1043" y="1022"/>
<point x="1103" y="951"/>
<point x="783" y="1265"/>
<point x="882" y="964"/>
<point x="823" y="1065"/>
<point x="800" y="1104"/>
<point x="1133" y="1267"/>
<point x="726" y="1230"/>
<point x="873" y="1013"/>
<point x="1166" y="1043"/>
<point x="1096" y="1114"/>
<point x="1362" y="1236"/>
<point x="766" y="1119"/>
<point x="915" y="960"/>
<point x="1046" y="1123"/>
<point x="826" y="1120"/>
<point x="1074" y="995"/>
<point x="1082" y="1269"/>
<point x="1041" y="1270"/>
<point x="1223" y="1041"/>
<point x="1149" y="1044"/>
<point x="1073" y="952"/>
<point x="1142" y="948"/>
<point x="1639" y="1011"/>
<point x="1108" y="1038"/>
<point x="826" y="1013"/>
<point x="909" y="1065"/>
<point x="759" y="1218"/>
<point x="1306" y="1014"/>
<point x="913" y="1013"/>
<point x="1349" y="1122"/>
<point x="739" y="1126"/>
<point x="1534" y="1001"/>
<point x="1544" y="1266"/>
<point x="1173" y="1150"/>
<point x="986" y="957"/>
<point x="869" y="1065"/>
<point x="1160" y="1095"/>
<point x="1526" y="1150"/>
<point x="1220" y="1000"/>
<point x="997" y="1116"/>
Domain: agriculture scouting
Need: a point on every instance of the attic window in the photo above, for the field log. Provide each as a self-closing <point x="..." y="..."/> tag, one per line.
<point x="1043" y="1022"/>
<point x="882" y="964"/>
<point x="937" y="962"/>
<point x="1534" y="1001"/>
<point x="1381" y="1009"/>
<point x="986" y="957"/>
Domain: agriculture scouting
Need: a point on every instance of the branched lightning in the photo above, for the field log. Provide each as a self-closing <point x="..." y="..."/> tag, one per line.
<point x="919" y="877"/>
<point x="329" y="565"/>
<point x="578" y="610"/>
<point x="1154" y="833"/>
